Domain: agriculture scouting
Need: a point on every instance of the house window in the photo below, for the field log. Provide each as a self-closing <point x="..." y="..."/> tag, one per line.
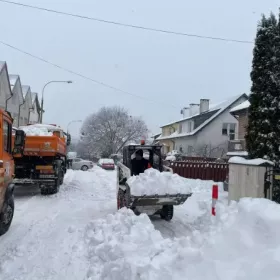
<point x="190" y="149"/>
<point x="225" y="129"/>
<point x="232" y="131"/>
<point x="229" y="129"/>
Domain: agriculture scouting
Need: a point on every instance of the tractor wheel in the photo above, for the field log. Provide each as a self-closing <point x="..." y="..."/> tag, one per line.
<point x="167" y="212"/>
<point x="6" y="216"/>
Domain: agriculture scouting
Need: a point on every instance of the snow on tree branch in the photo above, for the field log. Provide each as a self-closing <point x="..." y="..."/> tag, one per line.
<point x="110" y="129"/>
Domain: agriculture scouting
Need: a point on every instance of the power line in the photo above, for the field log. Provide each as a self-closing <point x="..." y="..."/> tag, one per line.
<point x="83" y="76"/>
<point x="127" y="25"/>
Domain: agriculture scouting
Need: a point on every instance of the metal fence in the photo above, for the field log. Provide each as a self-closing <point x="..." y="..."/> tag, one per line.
<point x="201" y="159"/>
<point x="201" y="170"/>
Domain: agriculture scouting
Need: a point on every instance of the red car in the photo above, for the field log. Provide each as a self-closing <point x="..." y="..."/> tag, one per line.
<point x="106" y="163"/>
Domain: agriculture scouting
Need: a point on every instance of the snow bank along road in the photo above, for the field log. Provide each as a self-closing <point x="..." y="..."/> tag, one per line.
<point x="79" y="234"/>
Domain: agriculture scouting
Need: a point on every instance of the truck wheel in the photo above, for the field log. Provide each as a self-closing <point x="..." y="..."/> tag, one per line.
<point x="61" y="177"/>
<point x="167" y="212"/>
<point x="6" y="216"/>
<point x="48" y="190"/>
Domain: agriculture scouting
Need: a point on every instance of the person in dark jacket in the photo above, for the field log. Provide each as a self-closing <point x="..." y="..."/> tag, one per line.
<point x="139" y="164"/>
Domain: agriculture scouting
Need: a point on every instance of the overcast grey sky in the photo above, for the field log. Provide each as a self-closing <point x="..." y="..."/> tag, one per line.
<point x="175" y="70"/>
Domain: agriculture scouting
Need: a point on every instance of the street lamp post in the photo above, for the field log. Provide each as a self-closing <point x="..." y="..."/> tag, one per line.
<point x="74" y="121"/>
<point x="42" y="100"/>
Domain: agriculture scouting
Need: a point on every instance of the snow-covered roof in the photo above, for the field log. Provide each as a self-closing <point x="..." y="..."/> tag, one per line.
<point x="212" y="107"/>
<point x="238" y="153"/>
<point x="156" y="135"/>
<point x="2" y="63"/>
<point x="219" y="108"/>
<point x="242" y="106"/>
<point x="13" y="80"/>
<point x="33" y="96"/>
<point x="256" y="161"/>
<point x="25" y="90"/>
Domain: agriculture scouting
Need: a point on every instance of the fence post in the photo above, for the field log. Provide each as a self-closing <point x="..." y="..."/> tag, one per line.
<point x="214" y="198"/>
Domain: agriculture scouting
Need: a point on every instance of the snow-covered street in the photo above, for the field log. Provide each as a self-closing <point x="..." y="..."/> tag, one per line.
<point x="46" y="239"/>
<point x="79" y="234"/>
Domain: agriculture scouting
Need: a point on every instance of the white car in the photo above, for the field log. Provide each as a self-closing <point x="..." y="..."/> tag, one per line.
<point x="81" y="164"/>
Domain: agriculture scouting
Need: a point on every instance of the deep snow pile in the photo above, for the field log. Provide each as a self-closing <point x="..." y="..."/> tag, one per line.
<point x="37" y="130"/>
<point x="46" y="238"/>
<point x="154" y="182"/>
<point x="242" y="243"/>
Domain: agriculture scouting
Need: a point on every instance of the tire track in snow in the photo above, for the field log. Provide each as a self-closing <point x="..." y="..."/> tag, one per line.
<point x="46" y="238"/>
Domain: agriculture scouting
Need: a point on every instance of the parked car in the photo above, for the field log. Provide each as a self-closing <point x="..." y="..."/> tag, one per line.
<point x="81" y="164"/>
<point x="106" y="163"/>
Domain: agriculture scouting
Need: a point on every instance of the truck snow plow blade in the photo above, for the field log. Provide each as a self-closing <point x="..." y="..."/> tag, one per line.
<point x="150" y="200"/>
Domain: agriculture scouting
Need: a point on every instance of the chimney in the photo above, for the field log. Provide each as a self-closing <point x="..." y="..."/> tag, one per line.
<point x="194" y="109"/>
<point x="185" y="112"/>
<point x="204" y="105"/>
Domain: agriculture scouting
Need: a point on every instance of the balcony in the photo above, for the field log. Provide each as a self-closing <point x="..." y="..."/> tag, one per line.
<point x="237" y="145"/>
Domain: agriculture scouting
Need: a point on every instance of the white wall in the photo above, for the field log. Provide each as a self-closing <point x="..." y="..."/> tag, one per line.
<point x="5" y="91"/>
<point x="24" y="111"/>
<point x="185" y="143"/>
<point x="34" y="115"/>
<point x="245" y="181"/>
<point x="187" y="126"/>
<point x="13" y="103"/>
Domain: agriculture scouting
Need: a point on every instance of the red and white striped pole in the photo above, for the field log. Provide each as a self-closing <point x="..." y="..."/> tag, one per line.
<point x="214" y="198"/>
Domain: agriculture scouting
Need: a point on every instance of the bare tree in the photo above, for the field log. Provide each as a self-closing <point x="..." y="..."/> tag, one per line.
<point x="109" y="130"/>
<point x="209" y="150"/>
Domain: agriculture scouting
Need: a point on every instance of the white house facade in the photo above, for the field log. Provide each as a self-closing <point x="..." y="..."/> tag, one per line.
<point x="5" y="90"/>
<point x="26" y="107"/>
<point x="17" y="98"/>
<point x="35" y="112"/>
<point x="205" y="129"/>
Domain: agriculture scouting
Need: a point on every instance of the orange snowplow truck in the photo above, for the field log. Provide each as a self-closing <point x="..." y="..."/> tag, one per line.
<point x="41" y="158"/>
<point x="6" y="172"/>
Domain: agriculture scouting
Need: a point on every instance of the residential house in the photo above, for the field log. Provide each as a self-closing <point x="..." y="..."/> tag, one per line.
<point x="204" y="130"/>
<point x="35" y="112"/>
<point x="26" y="107"/>
<point x="13" y="105"/>
<point x="154" y="137"/>
<point x="166" y="139"/>
<point x="5" y="90"/>
<point x="237" y="147"/>
<point x="17" y="99"/>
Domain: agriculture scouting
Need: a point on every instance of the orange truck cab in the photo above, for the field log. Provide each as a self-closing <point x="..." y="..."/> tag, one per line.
<point x="40" y="158"/>
<point x="6" y="172"/>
